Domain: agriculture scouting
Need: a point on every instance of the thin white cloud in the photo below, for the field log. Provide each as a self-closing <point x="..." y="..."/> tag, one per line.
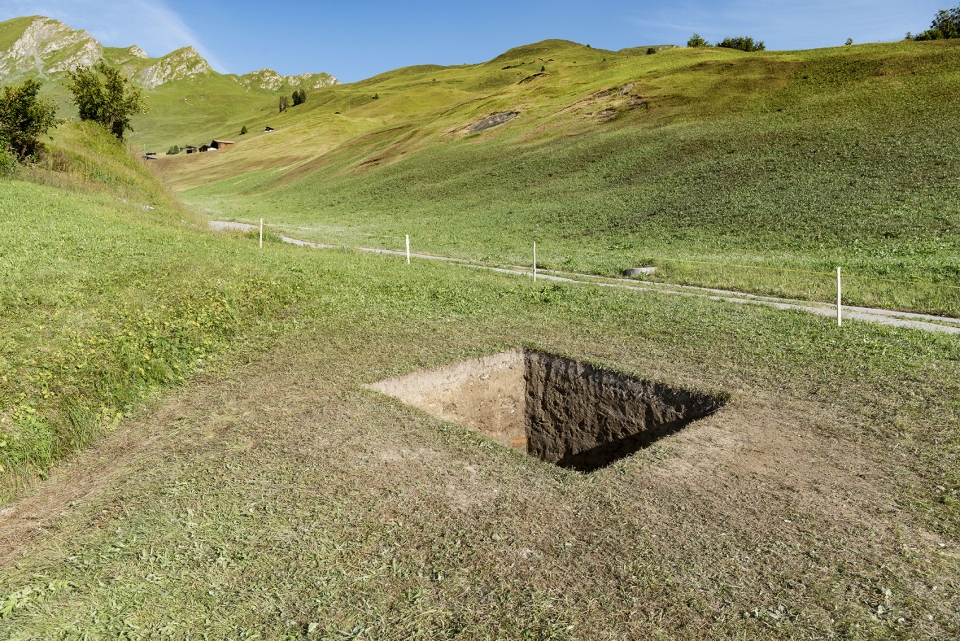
<point x="151" y="24"/>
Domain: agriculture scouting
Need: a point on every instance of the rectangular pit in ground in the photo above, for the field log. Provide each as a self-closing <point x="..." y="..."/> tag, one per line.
<point x="559" y="410"/>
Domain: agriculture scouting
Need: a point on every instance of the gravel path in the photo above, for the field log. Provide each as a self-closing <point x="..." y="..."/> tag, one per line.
<point x="923" y="322"/>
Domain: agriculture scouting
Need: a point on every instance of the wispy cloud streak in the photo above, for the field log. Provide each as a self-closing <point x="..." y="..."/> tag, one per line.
<point x="150" y="24"/>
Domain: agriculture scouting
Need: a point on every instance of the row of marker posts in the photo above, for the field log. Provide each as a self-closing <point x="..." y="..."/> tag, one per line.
<point x="839" y="282"/>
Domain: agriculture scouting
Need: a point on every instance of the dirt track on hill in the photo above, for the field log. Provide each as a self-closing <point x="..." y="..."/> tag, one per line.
<point x="892" y="318"/>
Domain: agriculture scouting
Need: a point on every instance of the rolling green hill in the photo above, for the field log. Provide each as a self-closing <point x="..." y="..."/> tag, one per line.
<point x="693" y="160"/>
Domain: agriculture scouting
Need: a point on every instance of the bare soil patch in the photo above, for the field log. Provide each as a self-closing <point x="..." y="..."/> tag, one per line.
<point x="494" y="120"/>
<point x="559" y="410"/>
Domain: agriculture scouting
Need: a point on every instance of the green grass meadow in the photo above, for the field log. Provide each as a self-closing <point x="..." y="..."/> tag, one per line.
<point x="784" y="161"/>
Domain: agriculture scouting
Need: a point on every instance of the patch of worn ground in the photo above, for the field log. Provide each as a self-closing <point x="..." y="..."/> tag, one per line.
<point x="284" y="498"/>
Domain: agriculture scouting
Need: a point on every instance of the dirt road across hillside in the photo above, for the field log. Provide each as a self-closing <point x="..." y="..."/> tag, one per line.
<point x="910" y="320"/>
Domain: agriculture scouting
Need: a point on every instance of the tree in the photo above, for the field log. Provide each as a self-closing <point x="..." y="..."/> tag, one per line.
<point x="243" y="130"/>
<point x="25" y="116"/>
<point x="284" y="103"/>
<point x="299" y="97"/>
<point x="742" y="43"/>
<point x="173" y="151"/>
<point x="106" y="96"/>
<point x="696" y="41"/>
<point x="945" y="25"/>
<point x="849" y="42"/>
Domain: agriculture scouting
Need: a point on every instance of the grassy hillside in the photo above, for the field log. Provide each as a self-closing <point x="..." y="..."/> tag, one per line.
<point x="112" y="290"/>
<point x="697" y="161"/>
<point x="243" y="483"/>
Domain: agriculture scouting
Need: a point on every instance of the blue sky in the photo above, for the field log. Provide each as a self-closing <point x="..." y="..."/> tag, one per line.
<point x="355" y="40"/>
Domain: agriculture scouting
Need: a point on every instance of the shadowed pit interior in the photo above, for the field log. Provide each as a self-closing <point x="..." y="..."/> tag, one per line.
<point x="559" y="410"/>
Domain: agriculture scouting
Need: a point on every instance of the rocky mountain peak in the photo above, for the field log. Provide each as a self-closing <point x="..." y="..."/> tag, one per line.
<point x="48" y="47"/>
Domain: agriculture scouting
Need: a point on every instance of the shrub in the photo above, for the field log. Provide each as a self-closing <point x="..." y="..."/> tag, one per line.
<point x="743" y="43"/>
<point x="8" y="164"/>
<point x="696" y="41"/>
<point x="243" y="130"/>
<point x="173" y="151"/>
<point x="299" y="97"/>
<point x="284" y="103"/>
<point x="651" y="51"/>
<point x="25" y="116"/>
<point x="945" y="26"/>
<point x="106" y="96"/>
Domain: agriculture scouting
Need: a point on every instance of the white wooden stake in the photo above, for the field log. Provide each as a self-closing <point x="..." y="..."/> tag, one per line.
<point x="408" y="249"/>
<point x="534" y="262"/>
<point x="261" y="233"/>
<point x="839" y="308"/>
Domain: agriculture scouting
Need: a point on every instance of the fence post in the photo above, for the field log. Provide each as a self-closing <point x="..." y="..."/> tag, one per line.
<point x="839" y="298"/>
<point x="534" y="261"/>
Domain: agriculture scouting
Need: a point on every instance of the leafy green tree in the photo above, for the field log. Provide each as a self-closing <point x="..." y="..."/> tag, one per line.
<point x="106" y="96"/>
<point x="299" y="97"/>
<point x="173" y="151"/>
<point x="243" y="130"/>
<point x="696" y="41"/>
<point x="25" y="116"/>
<point x="945" y="25"/>
<point x="743" y="43"/>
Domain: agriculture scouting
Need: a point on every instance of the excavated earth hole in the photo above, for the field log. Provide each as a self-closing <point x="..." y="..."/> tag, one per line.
<point x="559" y="410"/>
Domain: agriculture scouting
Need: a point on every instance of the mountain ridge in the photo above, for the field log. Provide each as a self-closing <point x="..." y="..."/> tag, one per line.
<point x="42" y="46"/>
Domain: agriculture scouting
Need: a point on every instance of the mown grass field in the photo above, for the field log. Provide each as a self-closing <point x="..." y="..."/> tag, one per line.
<point x="775" y="161"/>
<point x="273" y="496"/>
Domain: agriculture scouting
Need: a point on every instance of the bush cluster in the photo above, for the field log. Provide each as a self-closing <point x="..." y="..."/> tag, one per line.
<point x="25" y="116"/>
<point x="741" y="43"/>
<point x="104" y="95"/>
<point x="299" y="97"/>
<point x="945" y="25"/>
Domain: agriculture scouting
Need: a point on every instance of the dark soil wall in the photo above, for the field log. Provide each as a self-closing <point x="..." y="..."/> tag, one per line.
<point x="581" y="417"/>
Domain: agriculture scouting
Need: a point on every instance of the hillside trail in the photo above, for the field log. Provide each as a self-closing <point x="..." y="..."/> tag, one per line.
<point x="893" y="318"/>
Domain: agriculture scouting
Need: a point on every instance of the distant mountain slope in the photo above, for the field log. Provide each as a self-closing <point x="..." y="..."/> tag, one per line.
<point x="40" y="46"/>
